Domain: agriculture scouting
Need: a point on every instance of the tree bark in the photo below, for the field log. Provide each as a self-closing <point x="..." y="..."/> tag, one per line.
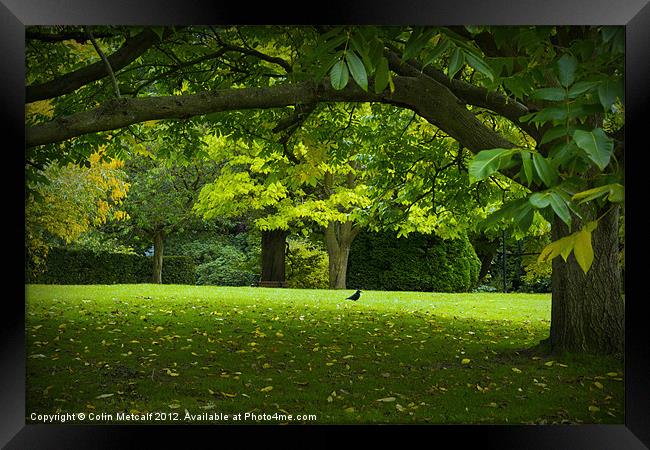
<point x="338" y="238"/>
<point x="587" y="310"/>
<point x="158" y="239"/>
<point x="274" y="244"/>
<point x="430" y="99"/>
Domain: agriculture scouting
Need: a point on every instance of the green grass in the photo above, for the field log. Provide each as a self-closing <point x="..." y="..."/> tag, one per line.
<point x="235" y="350"/>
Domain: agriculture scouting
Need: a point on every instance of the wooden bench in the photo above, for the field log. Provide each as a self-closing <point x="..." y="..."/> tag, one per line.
<point x="270" y="284"/>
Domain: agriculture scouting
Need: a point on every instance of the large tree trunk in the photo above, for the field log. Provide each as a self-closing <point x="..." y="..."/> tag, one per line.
<point x="587" y="312"/>
<point x="158" y="239"/>
<point x="274" y="243"/>
<point x="338" y="238"/>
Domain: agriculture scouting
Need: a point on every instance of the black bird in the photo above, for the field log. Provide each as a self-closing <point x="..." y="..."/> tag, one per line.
<point x="355" y="296"/>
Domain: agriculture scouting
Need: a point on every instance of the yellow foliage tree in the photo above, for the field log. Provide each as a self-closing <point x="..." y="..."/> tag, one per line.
<point x="74" y="200"/>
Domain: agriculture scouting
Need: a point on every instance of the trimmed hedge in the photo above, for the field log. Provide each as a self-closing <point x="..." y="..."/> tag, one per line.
<point x="381" y="261"/>
<point x="87" y="267"/>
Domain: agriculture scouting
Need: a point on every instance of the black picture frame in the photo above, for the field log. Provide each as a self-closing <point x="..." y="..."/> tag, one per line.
<point x="633" y="14"/>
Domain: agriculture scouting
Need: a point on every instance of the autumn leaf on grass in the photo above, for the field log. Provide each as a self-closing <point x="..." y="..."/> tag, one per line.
<point x="465" y="361"/>
<point x="593" y="408"/>
<point x="104" y="396"/>
<point x="171" y="373"/>
<point x="598" y="385"/>
<point x="386" y="399"/>
<point x="266" y="389"/>
<point x="514" y="369"/>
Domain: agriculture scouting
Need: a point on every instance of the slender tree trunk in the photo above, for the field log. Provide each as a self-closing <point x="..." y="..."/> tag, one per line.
<point x="158" y="239"/>
<point x="338" y="238"/>
<point x="587" y="312"/>
<point x="274" y="243"/>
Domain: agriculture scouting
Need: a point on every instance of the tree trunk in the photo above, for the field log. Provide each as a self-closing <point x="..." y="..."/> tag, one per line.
<point x="587" y="310"/>
<point x="338" y="238"/>
<point x="274" y="244"/>
<point x="158" y="238"/>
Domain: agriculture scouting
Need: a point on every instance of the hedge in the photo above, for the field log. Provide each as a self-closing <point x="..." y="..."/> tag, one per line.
<point x="381" y="261"/>
<point x="65" y="266"/>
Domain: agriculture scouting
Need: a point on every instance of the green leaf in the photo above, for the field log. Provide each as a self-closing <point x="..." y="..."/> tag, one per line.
<point x="581" y="87"/>
<point x="609" y="91"/>
<point x="487" y="162"/>
<point x="527" y="162"/>
<point x="583" y="250"/>
<point x="456" y="62"/>
<point x="416" y="42"/>
<point x="547" y="174"/>
<point x="478" y="64"/>
<point x="357" y="69"/>
<point x="554" y="114"/>
<point x="556" y="132"/>
<point x="524" y="218"/>
<point x="616" y="193"/>
<point x="339" y="75"/>
<point x="560" y="208"/>
<point x="590" y="194"/>
<point x="552" y="94"/>
<point x="376" y="52"/>
<point x="381" y="75"/>
<point x="438" y="50"/>
<point x="596" y="144"/>
<point x="518" y="85"/>
<point x="567" y="65"/>
<point x="540" y="200"/>
<point x="160" y="31"/>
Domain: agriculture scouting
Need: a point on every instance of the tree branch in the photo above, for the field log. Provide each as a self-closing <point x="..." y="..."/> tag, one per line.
<point x="70" y="82"/>
<point x="426" y="97"/>
<point x="109" y="69"/>
<point x="471" y="94"/>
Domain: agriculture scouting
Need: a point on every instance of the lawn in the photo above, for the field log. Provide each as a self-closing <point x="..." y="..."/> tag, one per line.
<point x="391" y="357"/>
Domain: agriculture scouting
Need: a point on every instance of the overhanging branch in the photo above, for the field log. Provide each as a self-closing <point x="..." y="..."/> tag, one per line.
<point x="431" y="100"/>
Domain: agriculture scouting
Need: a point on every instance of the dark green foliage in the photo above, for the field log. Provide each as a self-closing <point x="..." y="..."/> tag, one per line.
<point x="65" y="266"/>
<point x="307" y="265"/>
<point x="177" y="270"/>
<point x="223" y="260"/>
<point x="416" y="263"/>
<point x="523" y="272"/>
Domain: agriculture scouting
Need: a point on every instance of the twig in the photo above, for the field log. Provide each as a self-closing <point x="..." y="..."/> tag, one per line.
<point x="109" y="69"/>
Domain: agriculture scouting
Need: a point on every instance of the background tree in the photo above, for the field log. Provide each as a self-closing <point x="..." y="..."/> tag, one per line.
<point x="162" y="197"/>
<point x="70" y="201"/>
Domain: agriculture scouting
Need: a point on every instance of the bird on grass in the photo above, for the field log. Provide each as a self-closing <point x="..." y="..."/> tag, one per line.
<point x="355" y="296"/>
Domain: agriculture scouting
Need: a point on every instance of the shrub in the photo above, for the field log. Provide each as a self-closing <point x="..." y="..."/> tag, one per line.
<point x="229" y="269"/>
<point x="222" y="260"/>
<point x="380" y="261"/>
<point x="307" y="265"/>
<point x="64" y="266"/>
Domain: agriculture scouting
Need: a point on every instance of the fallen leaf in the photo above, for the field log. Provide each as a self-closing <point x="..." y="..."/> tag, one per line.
<point x="105" y="395"/>
<point x="386" y="399"/>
